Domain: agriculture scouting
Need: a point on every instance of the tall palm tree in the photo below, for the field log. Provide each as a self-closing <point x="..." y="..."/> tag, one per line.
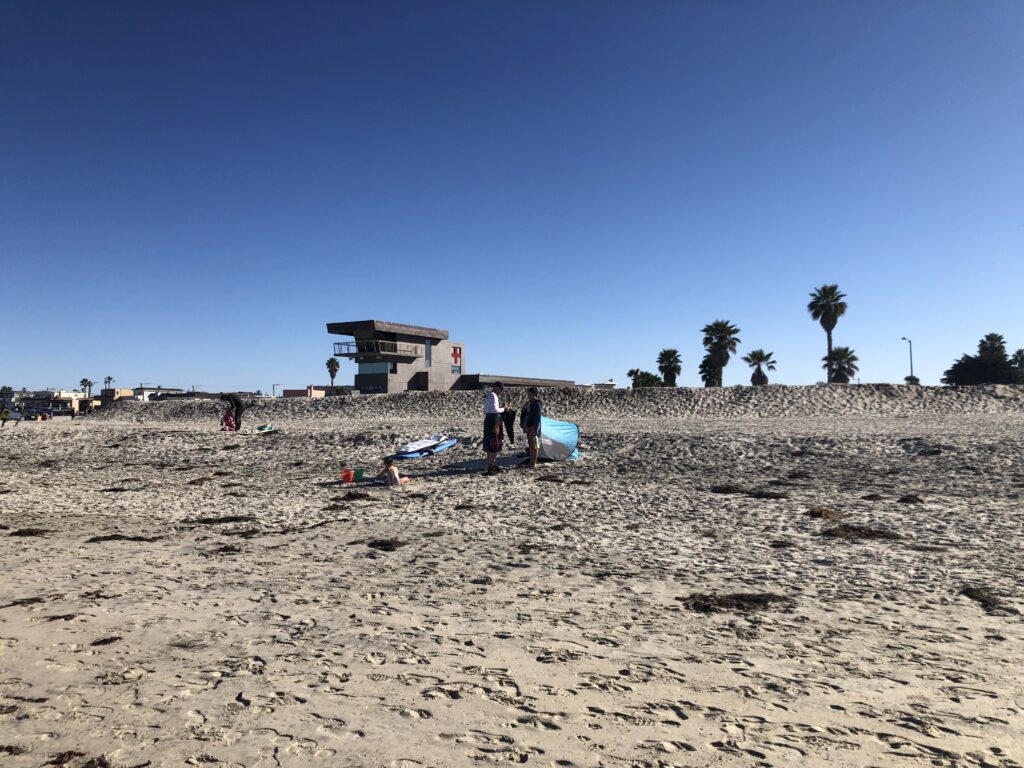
<point x="843" y="365"/>
<point x="720" y="341"/>
<point x="332" y="369"/>
<point x="760" y="361"/>
<point x="827" y="306"/>
<point x="87" y="386"/>
<point x="992" y="347"/>
<point x="669" y="366"/>
<point x="107" y="381"/>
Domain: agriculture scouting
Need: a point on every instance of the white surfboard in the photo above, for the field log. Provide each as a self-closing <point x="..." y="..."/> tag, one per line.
<point x="422" y="445"/>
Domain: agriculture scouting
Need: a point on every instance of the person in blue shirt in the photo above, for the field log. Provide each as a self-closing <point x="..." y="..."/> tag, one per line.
<point x="534" y="410"/>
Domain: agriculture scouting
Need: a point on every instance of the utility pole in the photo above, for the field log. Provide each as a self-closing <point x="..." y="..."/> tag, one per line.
<point x="273" y="389"/>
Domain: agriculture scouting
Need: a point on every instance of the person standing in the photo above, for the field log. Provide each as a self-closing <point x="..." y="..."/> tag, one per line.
<point x="534" y="411"/>
<point x="493" y="435"/>
<point x="235" y="403"/>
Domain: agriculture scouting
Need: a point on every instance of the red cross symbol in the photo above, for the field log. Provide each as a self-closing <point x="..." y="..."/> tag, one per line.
<point x="456" y="355"/>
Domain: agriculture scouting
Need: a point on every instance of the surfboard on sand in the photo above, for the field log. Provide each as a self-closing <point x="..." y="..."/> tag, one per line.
<point x="428" y="446"/>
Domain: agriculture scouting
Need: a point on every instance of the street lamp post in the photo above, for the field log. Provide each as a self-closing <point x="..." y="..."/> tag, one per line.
<point x="911" y="344"/>
<point x="273" y="389"/>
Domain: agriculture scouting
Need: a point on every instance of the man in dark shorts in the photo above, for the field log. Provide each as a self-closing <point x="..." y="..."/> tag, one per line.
<point x="534" y="410"/>
<point x="235" y="402"/>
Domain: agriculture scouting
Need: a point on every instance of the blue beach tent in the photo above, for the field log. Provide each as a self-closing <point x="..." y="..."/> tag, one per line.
<point x="559" y="440"/>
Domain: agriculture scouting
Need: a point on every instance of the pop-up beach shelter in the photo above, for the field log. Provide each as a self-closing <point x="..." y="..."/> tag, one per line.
<point x="559" y="440"/>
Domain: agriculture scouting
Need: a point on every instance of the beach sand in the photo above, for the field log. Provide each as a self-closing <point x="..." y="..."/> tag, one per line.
<point x="780" y="576"/>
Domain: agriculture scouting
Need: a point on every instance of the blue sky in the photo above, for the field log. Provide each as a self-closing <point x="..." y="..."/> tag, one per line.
<point x="190" y="191"/>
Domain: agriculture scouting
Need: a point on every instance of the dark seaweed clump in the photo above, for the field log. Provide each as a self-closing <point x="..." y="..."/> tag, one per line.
<point x="854" y="532"/>
<point x="992" y="603"/>
<point x="742" y="602"/>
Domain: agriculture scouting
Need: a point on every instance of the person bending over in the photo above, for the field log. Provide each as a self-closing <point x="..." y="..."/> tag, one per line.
<point x="236" y="408"/>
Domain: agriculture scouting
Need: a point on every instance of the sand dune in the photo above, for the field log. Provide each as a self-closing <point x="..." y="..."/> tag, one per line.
<point x="777" y="576"/>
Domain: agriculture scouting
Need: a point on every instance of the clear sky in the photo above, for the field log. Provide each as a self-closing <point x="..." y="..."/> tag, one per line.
<point x="190" y="191"/>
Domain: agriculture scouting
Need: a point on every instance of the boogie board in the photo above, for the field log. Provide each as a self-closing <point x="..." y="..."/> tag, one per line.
<point x="428" y="446"/>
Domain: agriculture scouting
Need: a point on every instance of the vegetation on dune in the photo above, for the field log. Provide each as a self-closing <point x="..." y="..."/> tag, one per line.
<point x="826" y="306"/>
<point x="720" y="340"/>
<point x="992" y="365"/>
<point x="333" y="365"/>
<point x="760" y="361"/>
<point x="842" y="362"/>
<point x="669" y="366"/>
<point x="642" y="379"/>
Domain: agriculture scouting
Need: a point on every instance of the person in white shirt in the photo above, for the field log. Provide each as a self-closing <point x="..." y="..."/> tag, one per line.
<point x="493" y="434"/>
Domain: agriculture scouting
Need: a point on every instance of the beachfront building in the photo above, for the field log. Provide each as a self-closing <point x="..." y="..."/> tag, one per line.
<point x="147" y="393"/>
<point x="393" y="357"/>
<point x="310" y="391"/>
<point x="56" y="402"/>
<point x="10" y="400"/>
<point x="109" y="395"/>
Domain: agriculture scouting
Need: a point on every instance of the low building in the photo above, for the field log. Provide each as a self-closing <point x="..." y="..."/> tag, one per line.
<point x="10" y="400"/>
<point x="56" y="402"/>
<point x="107" y="396"/>
<point x="311" y="391"/>
<point x="145" y="394"/>
<point x="393" y="357"/>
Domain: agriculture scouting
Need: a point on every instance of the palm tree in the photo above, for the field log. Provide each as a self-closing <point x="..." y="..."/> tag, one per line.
<point x="992" y="347"/>
<point x="760" y="361"/>
<point x="827" y="306"/>
<point x="87" y="386"/>
<point x="720" y="341"/>
<point x="332" y="369"/>
<point x="107" y="381"/>
<point x="843" y="365"/>
<point x="644" y="379"/>
<point x="707" y="371"/>
<point x="669" y="366"/>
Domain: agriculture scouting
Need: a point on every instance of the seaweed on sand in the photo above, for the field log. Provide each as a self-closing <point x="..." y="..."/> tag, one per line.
<point x="992" y="603"/>
<point x="120" y="537"/>
<point x="223" y="520"/>
<point x="761" y="493"/>
<point x="727" y="488"/>
<point x="822" y="513"/>
<point x="386" y="545"/>
<point x="743" y="602"/>
<point x="859" y="532"/>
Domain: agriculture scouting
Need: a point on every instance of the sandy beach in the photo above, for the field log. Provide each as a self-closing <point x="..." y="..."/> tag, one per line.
<point x="771" y="576"/>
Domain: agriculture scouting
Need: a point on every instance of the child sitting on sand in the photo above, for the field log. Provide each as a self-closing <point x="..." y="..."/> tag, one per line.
<point x="390" y="474"/>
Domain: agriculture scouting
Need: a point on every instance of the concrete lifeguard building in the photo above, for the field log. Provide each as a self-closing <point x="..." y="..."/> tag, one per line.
<point x="393" y="357"/>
